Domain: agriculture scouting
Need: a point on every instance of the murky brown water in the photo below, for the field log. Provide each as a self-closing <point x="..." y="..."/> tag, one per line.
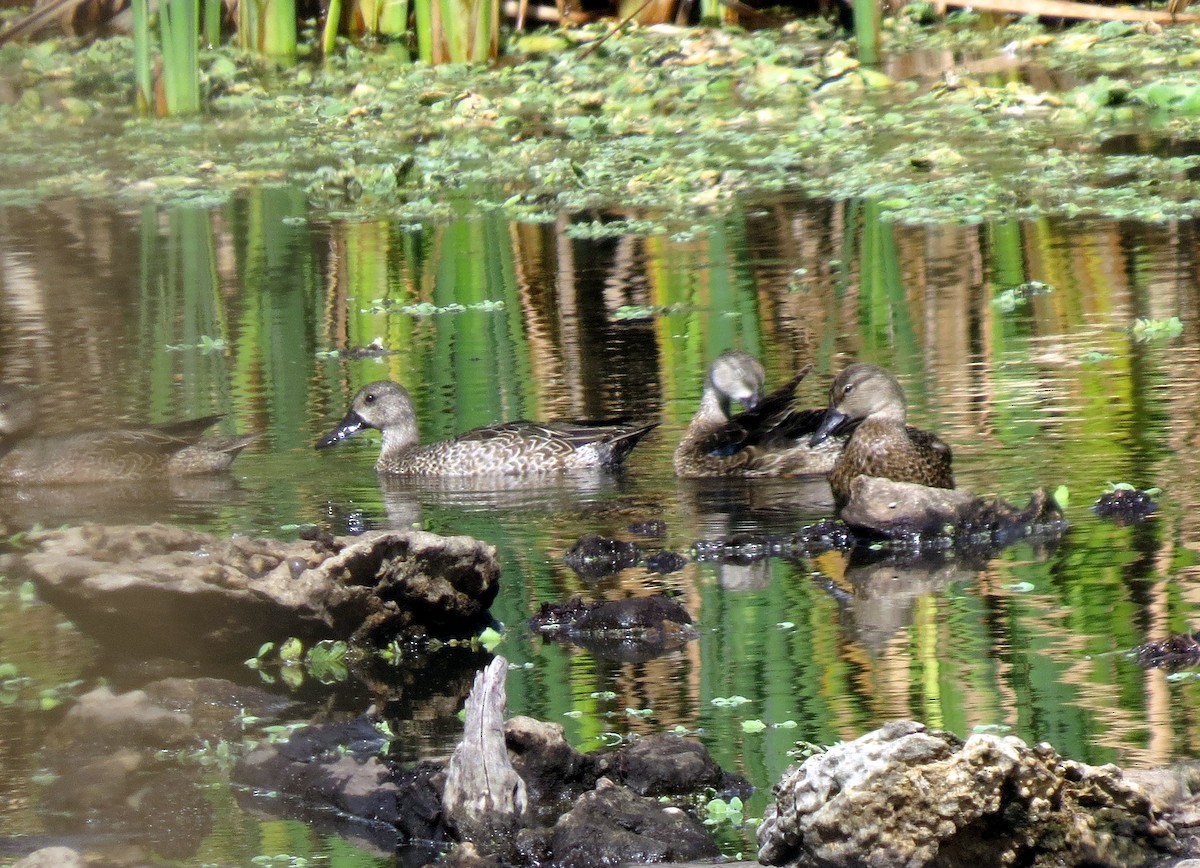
<point x="157" y="314"/>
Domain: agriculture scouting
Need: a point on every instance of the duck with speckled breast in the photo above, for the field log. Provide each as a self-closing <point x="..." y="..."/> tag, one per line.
<point x="882" y="444"/>
<point x="508" y="449"/>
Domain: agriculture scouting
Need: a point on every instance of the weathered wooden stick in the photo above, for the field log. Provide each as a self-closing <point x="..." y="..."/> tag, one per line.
<point x="1071" y="9"/>
<point x="484" y="798"/>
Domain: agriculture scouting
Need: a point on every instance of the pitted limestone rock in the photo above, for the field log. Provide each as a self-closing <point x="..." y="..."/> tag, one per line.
<point x="905" y="795"/>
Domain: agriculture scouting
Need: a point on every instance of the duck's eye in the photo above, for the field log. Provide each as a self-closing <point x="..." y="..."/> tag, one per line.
<point x="369" y="397"/>
<point x="847" y="389"/>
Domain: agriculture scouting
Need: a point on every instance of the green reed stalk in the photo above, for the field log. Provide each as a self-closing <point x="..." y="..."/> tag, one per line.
<point x="712" y="12"/>
<point x="143" y="73"/>
<point x="333" y="18"/>
<point x="212" y="23"/>
<point x="866" y="29"/>
<point x="179" y="23"/>
<point x="423" y="22"/>
<point x="279" y="30"/>
<point x="458" y="31"/>
<point x="268" y="27"/>
<point x="392" y="17"/>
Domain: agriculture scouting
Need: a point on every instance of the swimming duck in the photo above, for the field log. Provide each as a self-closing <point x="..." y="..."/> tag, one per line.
<point x="881" y="444"/>
<point x="768" y="439"/>
<point x="510" y="448"/>
<point x="102" y="456"/>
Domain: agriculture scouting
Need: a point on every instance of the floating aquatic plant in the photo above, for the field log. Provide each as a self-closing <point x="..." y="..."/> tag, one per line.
<point x="1146" y="330"/>
<point x="206" y="345"/>
<point x="559" y="133"/>
<point x="718" y="811"/>
<point x="729" y="701"/>
<point x="1010" y="299"/>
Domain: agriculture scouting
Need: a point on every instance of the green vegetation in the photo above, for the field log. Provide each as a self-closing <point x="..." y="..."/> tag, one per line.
<point x="327" y="661"/>
<point x="653" y="119"/>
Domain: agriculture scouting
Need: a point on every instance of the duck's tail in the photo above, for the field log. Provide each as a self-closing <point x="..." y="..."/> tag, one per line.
<point x="620" y="444"/>
<point x="210" y="455"/>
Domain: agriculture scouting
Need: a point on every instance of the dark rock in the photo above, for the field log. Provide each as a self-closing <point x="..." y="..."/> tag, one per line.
<point x="612" y="826"/>
<point x="665" y="764"/>
<point x="552" y="618"/>
<point x="1125" y="505"/>
<point x="905" y="795"/>
<point x="177" y="592"/>
<point x="594" y="557"/>
<point x="663" y="561"/>
<point x="651" y="529"/>
<point x="1175" y="652"/>
<point x="338" y="766"/>
<point x="630" y="630"/>
<point x="632" y="613"/>
<point x="823" y="536"/>
<point x="555" y="774"/>
<point x="740" y="549"/>
<point x="809" y="541"/>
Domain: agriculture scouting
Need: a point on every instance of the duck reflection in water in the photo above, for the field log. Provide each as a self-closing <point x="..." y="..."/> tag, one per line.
<point x="512" y="448"/>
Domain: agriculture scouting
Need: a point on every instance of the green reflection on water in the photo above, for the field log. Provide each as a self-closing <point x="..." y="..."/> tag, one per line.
<point x="834" y="647"/>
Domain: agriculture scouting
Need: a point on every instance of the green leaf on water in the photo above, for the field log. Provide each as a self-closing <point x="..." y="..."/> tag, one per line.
<point x="490" y="638"/>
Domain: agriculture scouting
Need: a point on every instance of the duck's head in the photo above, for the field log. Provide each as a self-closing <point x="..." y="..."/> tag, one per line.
<point x="382" y="405"/>
<point x="859" y="392"/>
<point x="736" y="376"/>
<point x="18" y="415"/>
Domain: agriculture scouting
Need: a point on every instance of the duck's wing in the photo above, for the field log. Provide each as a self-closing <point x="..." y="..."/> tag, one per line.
<point x="936" y="453"/>
<point x="559" y="437"/>
<point x="162" y="439"/>
<point x="927" y="440"/>
<point x="766" y="422"/>
<point x="186" y="429"/>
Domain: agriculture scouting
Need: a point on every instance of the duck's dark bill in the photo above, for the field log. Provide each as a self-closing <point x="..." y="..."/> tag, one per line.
<point x="829" y="425"/>
<point x="352" y="424"/>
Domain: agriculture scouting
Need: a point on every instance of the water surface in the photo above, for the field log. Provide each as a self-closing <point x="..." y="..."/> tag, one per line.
<point x="258" y="312"/>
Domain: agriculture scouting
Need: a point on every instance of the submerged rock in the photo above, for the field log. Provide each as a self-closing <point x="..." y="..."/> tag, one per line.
<point x="567" y="807"/>
<point x="611" y="826"/>
<point x="906" y="795"/>
<point x="809" y="541"/>
<point x="654" y="528"/>
<point x="123" y="765"/>
<point x="594" y="557"/>
<point x="630" y="630"/>
<point x="1125" y="505"/>
<point x="664" y="561"/>
<point x="177" y="592"/>
<point x="1178" y="651"/>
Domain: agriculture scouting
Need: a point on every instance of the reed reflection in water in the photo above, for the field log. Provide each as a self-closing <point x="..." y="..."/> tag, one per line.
<point x="1014" y="342"/>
